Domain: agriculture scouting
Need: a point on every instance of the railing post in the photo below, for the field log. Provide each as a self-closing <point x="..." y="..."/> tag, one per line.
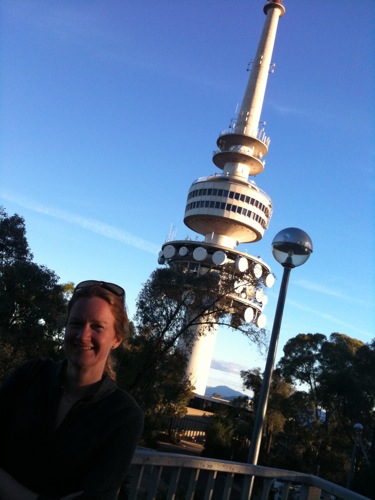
<point x="173" y="483"/>
<point x="228" y="486"/>
<point x="285" y="492"/>
<point x="267" y="483"/>
<point x="154" y="482"/>
<point x="246" y="485"/>
<point x="135" y="482"/>
<point x="310" y="493"/>
<point x="192" y="484"/>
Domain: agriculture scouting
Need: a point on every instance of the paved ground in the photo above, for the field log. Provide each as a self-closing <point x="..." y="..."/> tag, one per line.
<point x="185" y="448"/>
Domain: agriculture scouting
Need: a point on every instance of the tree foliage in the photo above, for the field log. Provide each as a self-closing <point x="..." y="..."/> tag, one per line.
<point x="170" y="307"/>
<point x="301" y="364"/>
<point x="219" y="436"/>
<point x="277" y="410"/>
<point x="320" y="388"/>
<point x="13" y="242"/>
<point x="32" y="303"/>
<point x="227" y="434"/>
<point x="337" y="378"/>
<point x="171" y="292"/>
<point x="339" y="373"/>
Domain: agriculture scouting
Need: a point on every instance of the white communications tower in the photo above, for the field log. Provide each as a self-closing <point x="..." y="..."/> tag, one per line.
<point x="228" y="208"/>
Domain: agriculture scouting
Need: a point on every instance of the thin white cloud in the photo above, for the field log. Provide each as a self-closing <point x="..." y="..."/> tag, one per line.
<point x="227" y="366"/>
<point x="230" y="375"/>
<point x="285" y="110"/>
<point x="312" y="115"/>
<point x="86" y="223"/>
<point x="318" y="287"/>
<point x="69" y="23"/>
<point x="80" y="26"/>
<point x="329" y="317"/>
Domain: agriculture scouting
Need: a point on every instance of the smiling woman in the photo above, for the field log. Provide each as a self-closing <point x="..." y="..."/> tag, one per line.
<point x="80" y="430"/>
<point x="106" y="316"/>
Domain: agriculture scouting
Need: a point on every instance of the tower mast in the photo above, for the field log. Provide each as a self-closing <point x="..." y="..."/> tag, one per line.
<point x="227" y="209"/>
<point x="251" y="108"/>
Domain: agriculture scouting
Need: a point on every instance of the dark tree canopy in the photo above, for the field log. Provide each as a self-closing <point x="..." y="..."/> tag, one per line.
<point x="170" y="292"/>
<point x="320" y="388"/>
<point x="32" y="303"/>
<point x="337" y="380"/>
<point x="13" y="242"/>
<point x="171" y="304"/>
<point x="277" y="409"/>
<point x="338" y="372"/>
<point x="301" y="363"/>
<point x="348" y="377"/>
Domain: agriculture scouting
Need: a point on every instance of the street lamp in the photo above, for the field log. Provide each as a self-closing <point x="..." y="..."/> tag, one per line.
<point x="291" y="247"/>
<point x="358" y="429"/>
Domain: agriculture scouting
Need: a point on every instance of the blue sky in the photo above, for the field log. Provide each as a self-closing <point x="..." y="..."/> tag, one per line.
<point x="111" y="109"/>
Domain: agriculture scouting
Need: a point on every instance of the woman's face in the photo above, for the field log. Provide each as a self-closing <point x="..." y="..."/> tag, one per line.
<point x="90" y="334"/>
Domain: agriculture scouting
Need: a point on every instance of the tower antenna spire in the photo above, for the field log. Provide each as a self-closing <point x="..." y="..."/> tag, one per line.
<point x="252" y="102"/>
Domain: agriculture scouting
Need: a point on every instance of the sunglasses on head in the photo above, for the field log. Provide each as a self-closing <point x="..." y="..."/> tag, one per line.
<point x="111" y="287"/>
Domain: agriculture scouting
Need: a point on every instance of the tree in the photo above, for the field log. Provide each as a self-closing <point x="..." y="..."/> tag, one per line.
<point x="13" y="242"/>
<point x="32" y="303"/>
<point x="228" y="432"/>
<point x="339" y="376"/>
<point x="219" y="436"/>
<point x="153" y="367"/>
<point x="156" y="380"/>
<point x="348" y="376"/>
<point x="170" y="293"/>
<point x="280" y="391"/>
<point x="171" y="303"/>
<point x="301" y="363"/>
<point x="160" y="387"/>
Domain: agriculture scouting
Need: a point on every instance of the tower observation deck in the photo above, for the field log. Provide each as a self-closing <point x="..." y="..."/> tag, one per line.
<point x="228" y="208"/>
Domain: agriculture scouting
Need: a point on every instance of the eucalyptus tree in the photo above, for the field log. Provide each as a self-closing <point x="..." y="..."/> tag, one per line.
<point x="337" y="377"/>
<point x="32" y="302"/>
<point x="153" y="367"/>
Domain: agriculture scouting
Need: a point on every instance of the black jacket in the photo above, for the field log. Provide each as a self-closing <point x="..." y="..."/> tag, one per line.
<point x="92" y="448"/>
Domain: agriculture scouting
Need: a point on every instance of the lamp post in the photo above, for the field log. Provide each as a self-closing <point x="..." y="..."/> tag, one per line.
<point x="291" y="247"/>
<point x="358" y="429"/>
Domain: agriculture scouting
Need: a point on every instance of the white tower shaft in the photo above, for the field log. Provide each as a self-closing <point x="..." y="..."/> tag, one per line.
<point x="251" y="107"/>
<point x="202" y="350"/>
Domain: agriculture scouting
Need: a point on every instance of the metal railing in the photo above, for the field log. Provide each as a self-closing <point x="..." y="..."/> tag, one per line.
<point x="260" y="134"/>
<point x="156" y="475"/>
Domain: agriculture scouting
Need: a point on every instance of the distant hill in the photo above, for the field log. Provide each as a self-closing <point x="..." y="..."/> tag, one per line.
<point x="224" y="391"/>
